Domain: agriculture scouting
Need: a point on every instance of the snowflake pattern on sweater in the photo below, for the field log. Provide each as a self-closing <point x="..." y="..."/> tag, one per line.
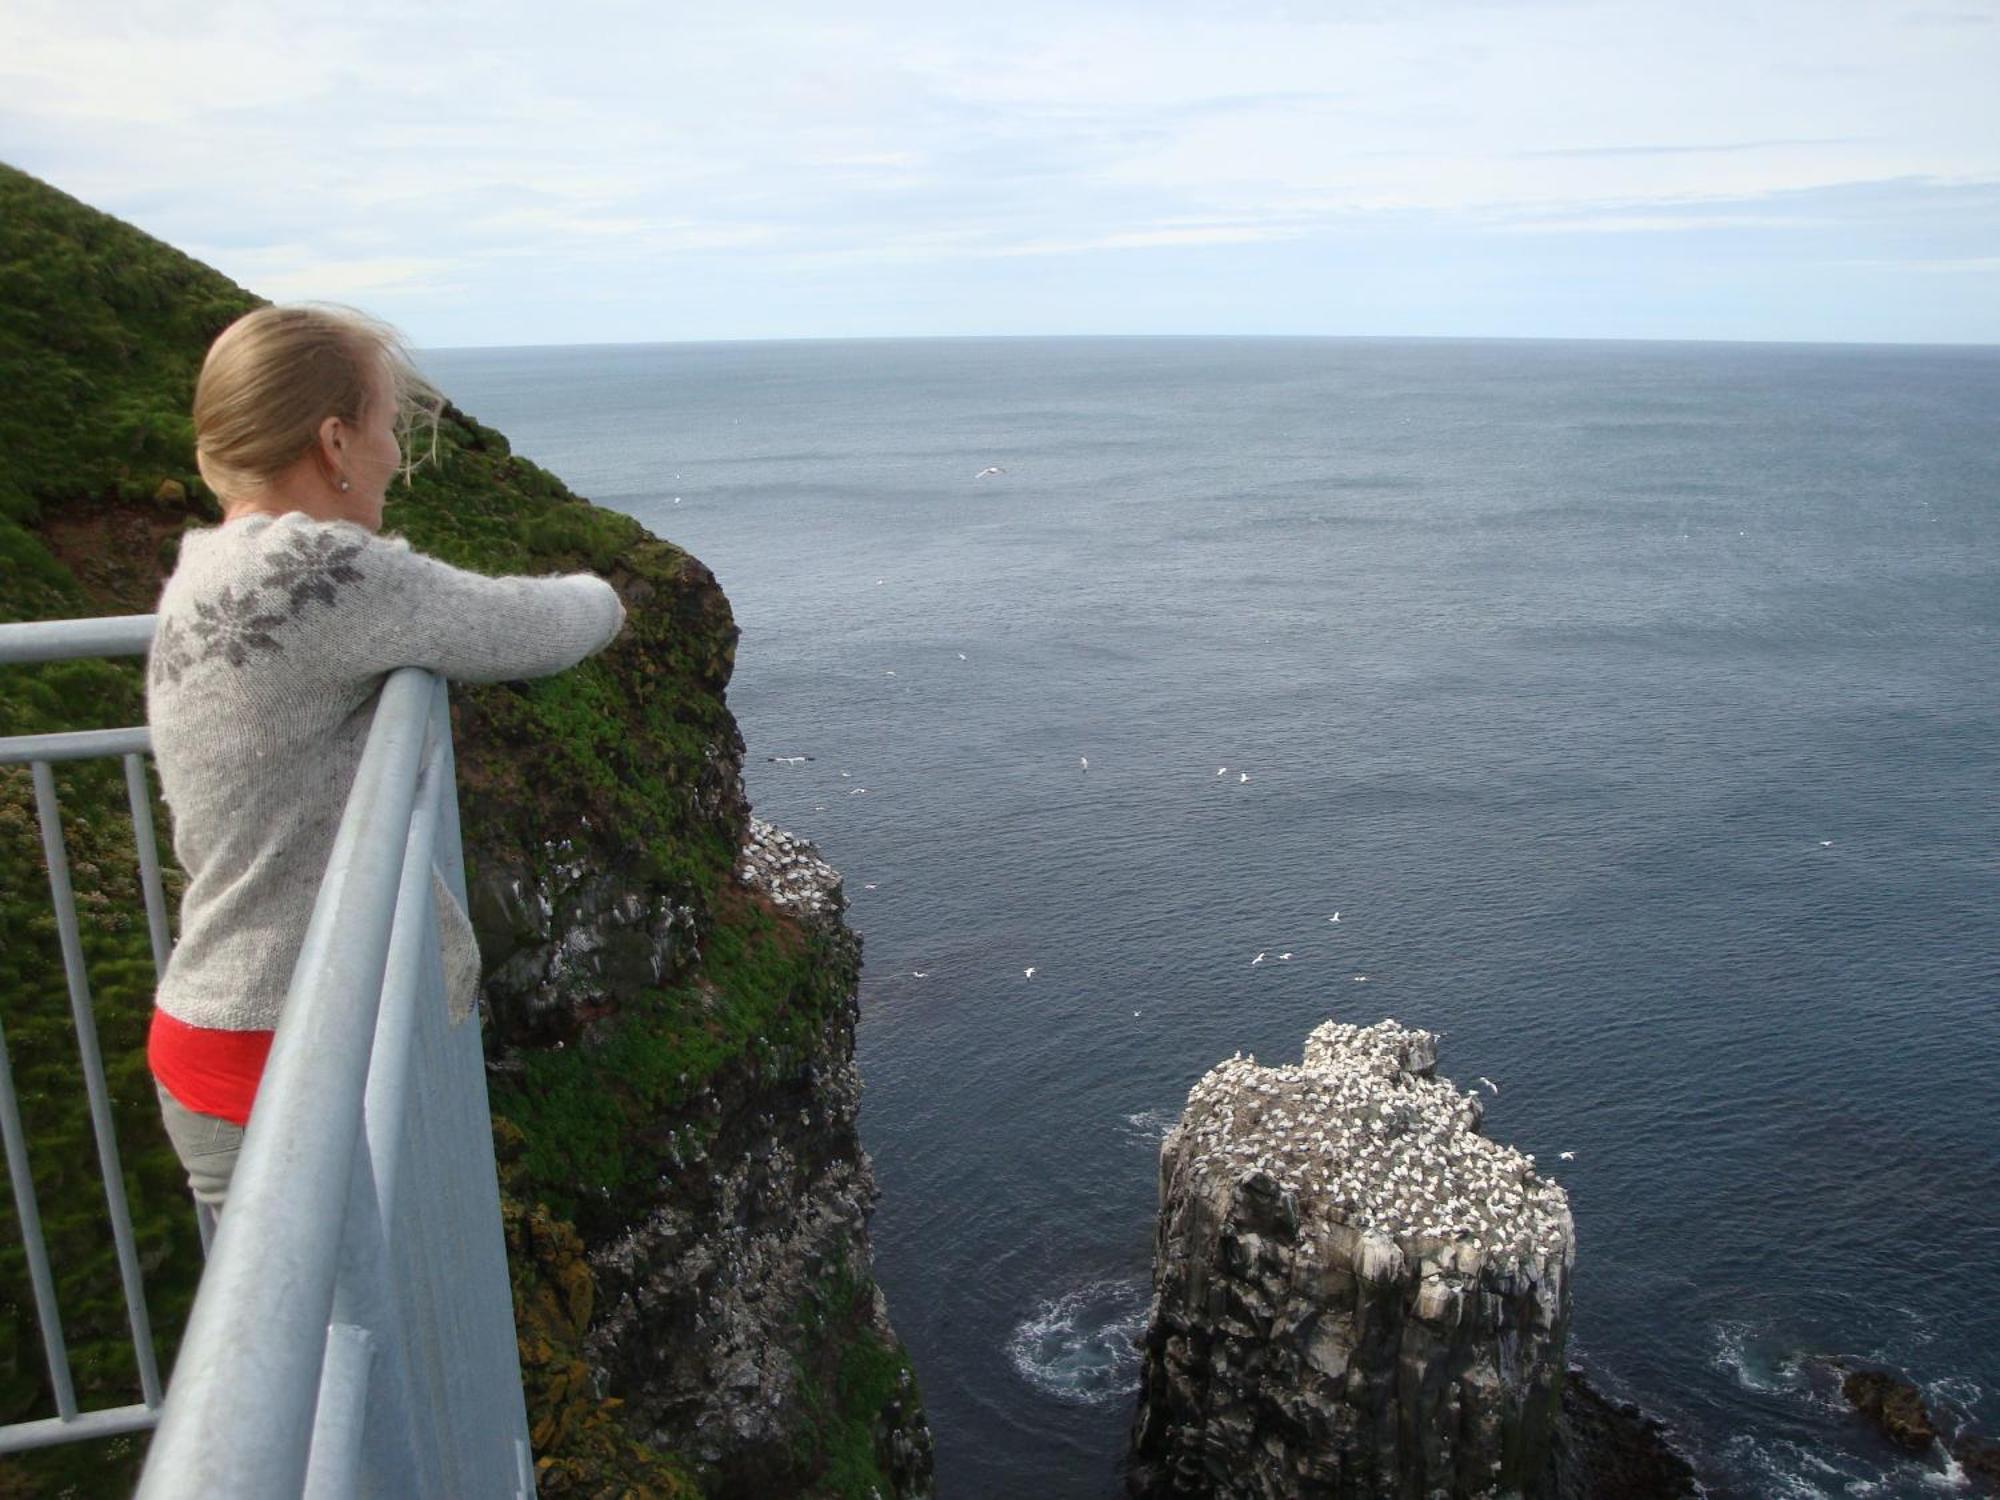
<point x="312" y="565"/>
<point x="308" y="567"/>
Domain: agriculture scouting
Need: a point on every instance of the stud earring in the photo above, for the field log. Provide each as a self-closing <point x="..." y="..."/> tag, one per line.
<point x="345" y="486"/>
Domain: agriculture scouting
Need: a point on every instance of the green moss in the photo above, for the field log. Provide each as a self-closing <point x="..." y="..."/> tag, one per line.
<point x="847" y="1378"/>
<point x="592" y="1112"/>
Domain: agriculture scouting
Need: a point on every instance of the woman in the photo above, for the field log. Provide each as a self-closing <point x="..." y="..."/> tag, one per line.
<point x="274" y="635"/>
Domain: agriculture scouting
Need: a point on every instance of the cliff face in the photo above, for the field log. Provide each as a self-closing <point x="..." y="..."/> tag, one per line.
<point x="725" y="1197"/>
<point x="671" y="1047"/>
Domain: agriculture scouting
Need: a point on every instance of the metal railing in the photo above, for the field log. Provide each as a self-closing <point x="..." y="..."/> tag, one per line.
<point x="124" y="636"/>
<point x="353" y="1333"/>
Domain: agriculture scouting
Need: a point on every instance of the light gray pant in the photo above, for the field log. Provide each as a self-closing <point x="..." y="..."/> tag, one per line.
<point x="207" y="1146"/>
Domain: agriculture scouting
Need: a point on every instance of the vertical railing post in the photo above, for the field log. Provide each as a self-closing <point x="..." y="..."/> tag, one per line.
<point x="93" y="1082"/>
<point x="54" y="1349"/>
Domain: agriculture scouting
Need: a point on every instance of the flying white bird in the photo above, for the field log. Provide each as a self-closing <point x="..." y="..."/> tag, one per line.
<point x="1256" y="961"/>
<point x="1284" y="958"/>
<point x="1489" y="1083"/>
<point x="1242" y="777"/>
<point x="1567" y="1155"/>
<point x="1826" y="843"/>
<point x="1221" y="770"/>
<point x="868" y="887"/>
<point x="1360" y="978"/>
<point x="1334" y="918"/>
<point x="988" y="470"/>
<point x="1029" y="971"/>
<point x="920" y="973"/>
<point x="1084" y="761"/>
<point x="961" y="656"/>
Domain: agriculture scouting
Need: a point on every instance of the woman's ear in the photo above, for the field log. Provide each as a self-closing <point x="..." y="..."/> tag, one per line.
<point x="331" y="448"/>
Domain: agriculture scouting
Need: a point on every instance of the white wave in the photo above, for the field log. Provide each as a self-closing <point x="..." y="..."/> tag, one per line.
<point x="1083" y="1346"/>
<point x="1150" y="1126"/>
<point x="1960" y="1391"/>
<point x="1951" y="1477"/>
<point x="1775" y="1470"/>
<point x="1736" y="1355"/>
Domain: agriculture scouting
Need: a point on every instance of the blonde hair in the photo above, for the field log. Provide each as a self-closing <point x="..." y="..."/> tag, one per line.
<point x="274" y="375"/>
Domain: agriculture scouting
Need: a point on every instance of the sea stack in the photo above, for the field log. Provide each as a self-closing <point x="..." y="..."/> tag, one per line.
<point x="1355" y="1293"/>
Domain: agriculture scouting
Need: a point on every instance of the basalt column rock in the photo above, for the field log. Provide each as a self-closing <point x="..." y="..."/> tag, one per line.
<point x="1355" y="1293"/>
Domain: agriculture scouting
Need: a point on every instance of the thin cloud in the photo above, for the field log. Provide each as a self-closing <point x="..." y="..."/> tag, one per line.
<point x="291" y="272"/>
<point x="1977" y="265"/>
<point x="1153" y="239"/>
<point x="1698" y="149"/>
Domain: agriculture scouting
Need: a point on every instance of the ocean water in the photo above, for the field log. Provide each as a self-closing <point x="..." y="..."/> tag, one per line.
<point x="1637" y="707"/>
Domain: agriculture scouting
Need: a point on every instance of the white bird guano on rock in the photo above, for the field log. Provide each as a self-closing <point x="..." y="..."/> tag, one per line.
<point x="789" y="870"/>
<point x="1355" y="1292"/>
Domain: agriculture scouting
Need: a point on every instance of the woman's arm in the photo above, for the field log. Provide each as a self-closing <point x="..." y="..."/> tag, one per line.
<point x="409" y="610"/>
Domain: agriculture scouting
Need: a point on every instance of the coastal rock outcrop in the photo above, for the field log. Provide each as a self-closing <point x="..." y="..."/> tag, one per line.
<point x="1894" y="1405"/>
<point x="733" y="1309"/>
<point x="1355" y="1293"/>
<point x="750" y="1270"/>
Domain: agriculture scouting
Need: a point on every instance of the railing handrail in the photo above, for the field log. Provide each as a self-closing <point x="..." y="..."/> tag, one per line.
<point x="240" y="1416"/>
<point x="297" y="1374"/>
<point x="66" y="640"/>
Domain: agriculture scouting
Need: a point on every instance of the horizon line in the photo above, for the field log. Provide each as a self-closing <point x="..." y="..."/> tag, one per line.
<point x="1357" y="338"/>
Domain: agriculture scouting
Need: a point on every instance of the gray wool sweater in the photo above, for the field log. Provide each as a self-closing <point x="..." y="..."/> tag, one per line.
<point x="274" y="635"/>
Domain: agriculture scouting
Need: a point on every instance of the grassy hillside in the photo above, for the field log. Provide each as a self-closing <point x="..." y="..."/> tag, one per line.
<point x="632" y="759"/>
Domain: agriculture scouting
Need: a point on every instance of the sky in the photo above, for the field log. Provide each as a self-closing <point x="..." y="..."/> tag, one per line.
<point x="509" y="173"/>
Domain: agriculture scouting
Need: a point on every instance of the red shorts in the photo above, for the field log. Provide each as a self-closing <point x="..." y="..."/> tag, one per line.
<point x="209" y="1071"/>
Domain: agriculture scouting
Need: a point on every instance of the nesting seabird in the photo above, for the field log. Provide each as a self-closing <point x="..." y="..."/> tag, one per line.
<point x="1362" y="1133"/>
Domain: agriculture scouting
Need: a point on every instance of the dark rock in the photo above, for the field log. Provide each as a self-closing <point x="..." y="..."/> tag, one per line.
<point x="1980" y="1458"/>
<point x="1894" y="1405"/>
<point x="1611" y="1451"/>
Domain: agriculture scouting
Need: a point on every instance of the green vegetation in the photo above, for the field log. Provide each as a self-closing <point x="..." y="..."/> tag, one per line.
<point x="581" y="1448"/>
<point x="847" y="1376"/>
<point x="631" y="760"/>
<point x="589" y="1112"/>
